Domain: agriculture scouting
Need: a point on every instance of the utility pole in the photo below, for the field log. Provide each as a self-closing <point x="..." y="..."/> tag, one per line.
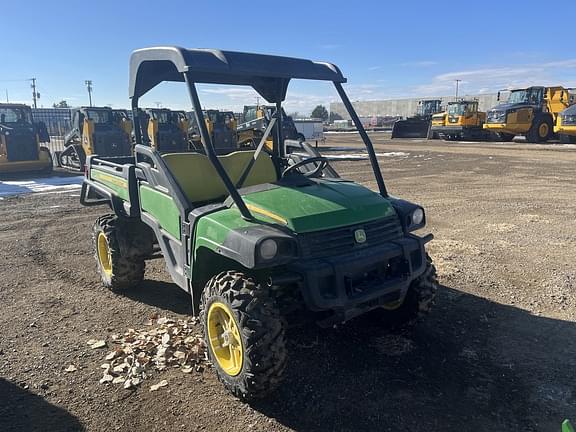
<point x="7" y="101"/>
<point x="158" y="104"/>
<point x="35" y="94"/>
<point x="457" y="82"/>
<point x="89" y="87"/>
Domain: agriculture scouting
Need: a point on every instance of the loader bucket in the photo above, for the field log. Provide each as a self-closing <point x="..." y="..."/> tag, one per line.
<point x="411" y="128"/>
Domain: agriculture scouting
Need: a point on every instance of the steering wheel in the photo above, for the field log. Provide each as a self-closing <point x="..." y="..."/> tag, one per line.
<point x="315" y="172"/>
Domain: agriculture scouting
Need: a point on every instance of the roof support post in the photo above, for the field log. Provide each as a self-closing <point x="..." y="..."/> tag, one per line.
<point x="279" y="135"/>
<point x="207" y="142"/>
<point x="136" y="121"/>
<point x="365" y="138"/>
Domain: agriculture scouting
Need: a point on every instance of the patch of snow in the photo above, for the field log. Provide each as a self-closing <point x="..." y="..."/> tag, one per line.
<point x="40" y="185"/>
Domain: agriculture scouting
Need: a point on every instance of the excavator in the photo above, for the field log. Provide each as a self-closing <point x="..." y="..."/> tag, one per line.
<point x="419" y="125"/>
<point x="462" y="120"/>
<point x="96" y="130"/>
<point x="256" y="120"/>
<point x="531" y="112"/>
<point x="20" y="138"/>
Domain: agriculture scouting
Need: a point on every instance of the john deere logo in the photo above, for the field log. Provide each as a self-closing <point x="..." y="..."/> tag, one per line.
<point x="360" y="236"/>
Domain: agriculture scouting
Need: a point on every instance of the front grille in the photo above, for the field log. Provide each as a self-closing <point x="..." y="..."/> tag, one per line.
<point x="496" y="117"/>
<point x="341" y="240"/>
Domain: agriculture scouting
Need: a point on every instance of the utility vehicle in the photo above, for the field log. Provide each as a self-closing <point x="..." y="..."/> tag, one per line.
<point x="255" y="236"/>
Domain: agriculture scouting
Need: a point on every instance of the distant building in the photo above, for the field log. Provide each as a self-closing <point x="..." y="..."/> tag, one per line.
<point x="404" y="107"/>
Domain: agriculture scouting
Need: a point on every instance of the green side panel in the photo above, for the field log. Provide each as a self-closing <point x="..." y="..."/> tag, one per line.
<point x="323" y="205"/>
<point x="162" y="208"/>
<point x="567" y="426"/>
<point x="117" y="185"/>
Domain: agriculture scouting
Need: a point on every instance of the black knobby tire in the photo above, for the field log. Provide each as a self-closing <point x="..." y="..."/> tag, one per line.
<point x="127" y="266"/>
<point x="262" y="331"/>
<point x="418" y="302"/>
<point x="533" y="134"/>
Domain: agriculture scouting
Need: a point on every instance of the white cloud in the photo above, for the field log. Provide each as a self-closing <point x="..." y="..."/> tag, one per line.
<point x="419" y="63"/>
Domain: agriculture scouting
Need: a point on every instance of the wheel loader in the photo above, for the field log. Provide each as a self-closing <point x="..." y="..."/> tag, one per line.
<point x="461" y="121"/>
<point x="20" y="141"/>
<point x="96" y="130"/>
<point x="419" y="125"/>
<point x="531" y="112"/>
<point x="258" y="236"/>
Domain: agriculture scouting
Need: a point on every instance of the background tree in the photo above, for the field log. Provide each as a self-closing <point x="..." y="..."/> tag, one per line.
<point x="320" y="112"/>
<point x="61" y="104"/>
<point x="334" y="116"/>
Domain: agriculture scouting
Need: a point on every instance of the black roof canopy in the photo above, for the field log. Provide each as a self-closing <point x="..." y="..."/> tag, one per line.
<point x="269" y="75"/>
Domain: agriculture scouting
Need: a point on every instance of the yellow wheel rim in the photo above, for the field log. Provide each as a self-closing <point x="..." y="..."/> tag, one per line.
<point x="392" y="305"/>
<point x="224" y="338"/>
<point x="104" y="254"/>
<point x="543" y="130"/>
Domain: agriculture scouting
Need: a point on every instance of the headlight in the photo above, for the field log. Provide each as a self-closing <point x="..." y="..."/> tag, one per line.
<point x="268" y="249"/>
<point x="417" y="216"/>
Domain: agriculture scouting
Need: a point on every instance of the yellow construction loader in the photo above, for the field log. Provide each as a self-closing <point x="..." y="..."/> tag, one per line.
<point x="96" y="130"/>
<point x="531" y="112"/>
<point x="20" y="138"/>
<point x="565" y="126"/>
<point x="461" y="121"/>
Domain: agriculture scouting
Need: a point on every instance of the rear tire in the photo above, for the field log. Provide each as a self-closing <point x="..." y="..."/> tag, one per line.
<point x="541" y="130"/>
<point x="119" y="260"/>
<point x="259" y="368"/>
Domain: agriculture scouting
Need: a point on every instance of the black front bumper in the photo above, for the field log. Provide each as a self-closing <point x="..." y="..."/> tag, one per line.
<point x="448" y="129"/>
<point x="353" y="283"/>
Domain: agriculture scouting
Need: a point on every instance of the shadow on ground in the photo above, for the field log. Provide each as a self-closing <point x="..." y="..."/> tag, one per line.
<point x="474" y="365"/>
<point x="163" y="295"/>
<point x="29" y="412"/>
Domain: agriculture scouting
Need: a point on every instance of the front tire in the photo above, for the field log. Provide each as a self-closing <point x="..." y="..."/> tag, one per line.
<point x="119" y="269"/>
<point x="541" y="130"/>
<point x="417" y="303"/>
<point x="244" y="333"/>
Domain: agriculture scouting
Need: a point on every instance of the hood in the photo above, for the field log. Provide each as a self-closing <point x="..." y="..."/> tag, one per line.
<point x="318" y="205"/>
<point x="570" y="111"/>
<point x="507" y="106"/>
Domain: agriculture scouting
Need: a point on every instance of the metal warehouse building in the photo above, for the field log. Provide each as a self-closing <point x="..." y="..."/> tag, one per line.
<point x="405" y="107"/>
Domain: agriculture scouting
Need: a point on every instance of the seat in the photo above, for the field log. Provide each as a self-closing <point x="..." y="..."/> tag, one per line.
<point x="200" y="181"/>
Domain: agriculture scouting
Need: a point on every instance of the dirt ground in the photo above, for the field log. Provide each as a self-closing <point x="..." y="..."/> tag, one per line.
<point x="498" y="353"/>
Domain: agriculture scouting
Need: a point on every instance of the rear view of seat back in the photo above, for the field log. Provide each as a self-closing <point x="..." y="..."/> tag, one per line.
<point x="200" y="181"/>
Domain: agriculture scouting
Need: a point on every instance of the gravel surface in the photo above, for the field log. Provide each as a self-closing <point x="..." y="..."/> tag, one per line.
<point x="497" y="353"/>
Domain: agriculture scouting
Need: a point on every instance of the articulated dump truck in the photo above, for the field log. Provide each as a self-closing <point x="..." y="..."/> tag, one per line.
<point x="532" y="112"/>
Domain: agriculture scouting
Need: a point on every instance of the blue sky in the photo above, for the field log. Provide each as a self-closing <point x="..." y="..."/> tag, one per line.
<point x="385" y="49"/>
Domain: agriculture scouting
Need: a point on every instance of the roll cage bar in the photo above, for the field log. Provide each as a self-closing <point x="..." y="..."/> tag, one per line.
<point x="268" y="75"/>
